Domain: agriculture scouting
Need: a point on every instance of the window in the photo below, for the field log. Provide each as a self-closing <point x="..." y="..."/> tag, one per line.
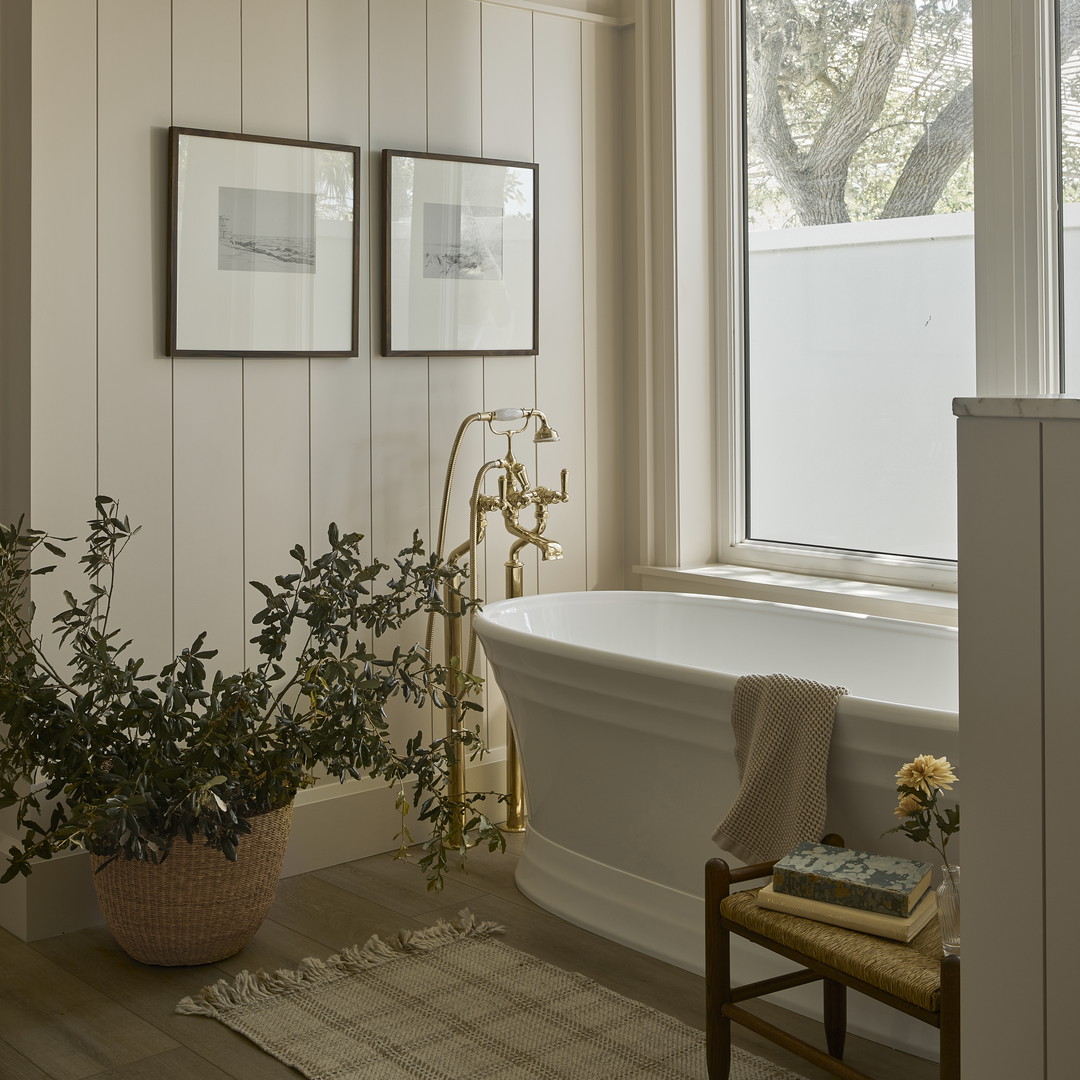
<point x="859" y="272"/>
<point x="871" y="294"/>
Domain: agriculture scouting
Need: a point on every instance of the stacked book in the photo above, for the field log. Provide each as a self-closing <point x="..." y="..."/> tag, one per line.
<point x="876" y="894"/>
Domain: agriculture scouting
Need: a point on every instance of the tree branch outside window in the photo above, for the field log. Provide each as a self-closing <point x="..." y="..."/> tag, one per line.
<point x="862" y="109"/>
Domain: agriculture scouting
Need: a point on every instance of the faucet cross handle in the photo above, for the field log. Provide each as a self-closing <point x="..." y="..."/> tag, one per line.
<point x="545" y="496"/>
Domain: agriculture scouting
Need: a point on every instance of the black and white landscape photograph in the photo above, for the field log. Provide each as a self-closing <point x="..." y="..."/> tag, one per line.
<point x="261" y="230"/>
<point x="463" y="241"/>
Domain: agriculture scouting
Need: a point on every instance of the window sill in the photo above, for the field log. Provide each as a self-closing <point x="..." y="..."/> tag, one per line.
<point x="806" y="590"/>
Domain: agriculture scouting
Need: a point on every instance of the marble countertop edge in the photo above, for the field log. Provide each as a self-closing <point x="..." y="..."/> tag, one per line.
<point x="1035" y="407"/>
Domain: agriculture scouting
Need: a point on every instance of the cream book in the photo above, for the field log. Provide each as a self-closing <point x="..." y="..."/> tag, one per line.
<point x="896" y="927"/>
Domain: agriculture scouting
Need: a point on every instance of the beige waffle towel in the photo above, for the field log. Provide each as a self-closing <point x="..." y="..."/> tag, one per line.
<point x="783" y="728"/>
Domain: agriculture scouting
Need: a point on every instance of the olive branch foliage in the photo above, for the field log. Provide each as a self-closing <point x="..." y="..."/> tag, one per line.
<point x="97" y="752"/>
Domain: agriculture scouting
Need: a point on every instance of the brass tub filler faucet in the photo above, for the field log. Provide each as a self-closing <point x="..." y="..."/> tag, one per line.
<point x="516" y="494"/>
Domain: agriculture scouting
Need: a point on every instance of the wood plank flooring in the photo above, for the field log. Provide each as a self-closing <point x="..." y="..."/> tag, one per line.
<point x="76" y="1007"/>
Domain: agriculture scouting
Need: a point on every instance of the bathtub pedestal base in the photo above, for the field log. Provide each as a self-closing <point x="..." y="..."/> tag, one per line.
<point x="670" y="925"/>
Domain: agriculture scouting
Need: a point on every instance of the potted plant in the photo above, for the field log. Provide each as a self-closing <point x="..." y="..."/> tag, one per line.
<point x="151" y="771"/>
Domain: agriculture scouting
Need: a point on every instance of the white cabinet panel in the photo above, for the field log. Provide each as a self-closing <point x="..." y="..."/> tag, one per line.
<point x="1061" y="543"/>
<point x="1019" y="528"/>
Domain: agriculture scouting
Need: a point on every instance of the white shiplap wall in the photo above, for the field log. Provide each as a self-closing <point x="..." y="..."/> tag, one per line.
<point x="227" y="462"/>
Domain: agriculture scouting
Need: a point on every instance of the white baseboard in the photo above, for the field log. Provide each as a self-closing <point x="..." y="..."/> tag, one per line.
<point x="331" y="824"/>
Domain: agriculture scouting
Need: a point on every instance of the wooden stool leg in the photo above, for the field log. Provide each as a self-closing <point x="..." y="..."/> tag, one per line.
<point x="717" y="973"/>
<point x="835" y="1009"/>
<point x="950" y="1018"/>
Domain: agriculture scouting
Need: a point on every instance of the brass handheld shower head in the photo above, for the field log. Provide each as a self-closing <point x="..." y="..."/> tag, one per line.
<point x="545" y="433"/>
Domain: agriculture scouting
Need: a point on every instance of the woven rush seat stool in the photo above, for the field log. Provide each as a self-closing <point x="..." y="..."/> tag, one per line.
<point x="912" y="977"/>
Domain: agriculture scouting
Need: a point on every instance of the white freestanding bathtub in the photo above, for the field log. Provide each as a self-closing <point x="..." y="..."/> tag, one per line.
<point x="621" y="701"/>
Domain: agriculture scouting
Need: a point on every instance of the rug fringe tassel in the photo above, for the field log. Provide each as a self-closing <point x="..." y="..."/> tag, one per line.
<point x="249" y="987"/>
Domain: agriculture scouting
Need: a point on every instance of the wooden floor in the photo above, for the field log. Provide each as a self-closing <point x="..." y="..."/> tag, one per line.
<point x="75" y="1006"/>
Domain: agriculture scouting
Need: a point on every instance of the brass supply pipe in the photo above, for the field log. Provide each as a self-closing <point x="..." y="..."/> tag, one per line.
<point x="515" y="780"/>
<point x="444" y="510"/>
<point x="456" y="766"/>
<point x="455" y="662"/>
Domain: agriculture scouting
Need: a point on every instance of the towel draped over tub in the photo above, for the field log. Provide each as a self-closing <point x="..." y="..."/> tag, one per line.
<point x="783" y="730"/>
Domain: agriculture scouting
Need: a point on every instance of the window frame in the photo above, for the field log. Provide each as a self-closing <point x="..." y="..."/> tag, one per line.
<point x="1017" y="231"/>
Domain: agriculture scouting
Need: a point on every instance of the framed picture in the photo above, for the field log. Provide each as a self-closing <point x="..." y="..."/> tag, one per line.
<point x="460" y="256"/>
<point x="264" y="246"/>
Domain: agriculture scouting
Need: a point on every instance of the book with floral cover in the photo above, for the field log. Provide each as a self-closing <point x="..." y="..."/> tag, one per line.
<point x="852" y="878"/>
<point x="868" y="922"/>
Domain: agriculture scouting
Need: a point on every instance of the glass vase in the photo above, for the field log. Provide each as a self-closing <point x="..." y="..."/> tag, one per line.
<point x="948" y="905"/>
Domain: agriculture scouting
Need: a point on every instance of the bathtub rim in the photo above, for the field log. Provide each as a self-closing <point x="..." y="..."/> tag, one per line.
<point x="486" y="621"/>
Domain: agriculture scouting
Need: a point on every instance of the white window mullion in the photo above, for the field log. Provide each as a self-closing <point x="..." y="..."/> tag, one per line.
<point x="730" y="284"/>
<point x="1016" y="216"/>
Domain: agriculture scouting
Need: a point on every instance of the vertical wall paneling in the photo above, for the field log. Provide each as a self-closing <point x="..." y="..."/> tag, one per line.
<point x="340" y="477"/>
<point x="276" y="397"/>
<point x="1061" y="534"/>
<point x="399" y="392"/>
<point x="453" y="77"/>
<point x="230" y="461"/>
<point x="560" y="380"/>
<point x="506" y="46"/>
<point x="602" y="198"/>
<point x="275" y="71"/>
<point x="208" y="392"/>
<point x="455" y="384"/>
<point x="400" y="455"/>
<point x="506" y="43"/>
<point x="341" y="386"/>
<point x="206" y="64"/>
<point x="63" y="283"/>
<point x="135" y="463"/>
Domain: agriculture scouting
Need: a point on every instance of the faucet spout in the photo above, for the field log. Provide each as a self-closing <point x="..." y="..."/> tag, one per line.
<point x="549" y="549"/>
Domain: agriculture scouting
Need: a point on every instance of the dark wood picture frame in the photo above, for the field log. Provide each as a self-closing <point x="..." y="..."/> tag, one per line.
<point x="263" y="246"/>
<point x="460" y="255"/>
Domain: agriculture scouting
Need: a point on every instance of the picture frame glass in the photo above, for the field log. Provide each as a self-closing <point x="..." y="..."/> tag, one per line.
<point x="461" y="258"/>
<point x="265" y="235"/>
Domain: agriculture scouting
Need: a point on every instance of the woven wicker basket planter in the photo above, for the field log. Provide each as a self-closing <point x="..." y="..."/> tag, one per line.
<point x="197" y="906"/>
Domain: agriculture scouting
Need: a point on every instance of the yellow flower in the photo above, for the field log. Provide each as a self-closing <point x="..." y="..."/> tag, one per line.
<point x="907" y="806"/>
<point x="928" y="773"/>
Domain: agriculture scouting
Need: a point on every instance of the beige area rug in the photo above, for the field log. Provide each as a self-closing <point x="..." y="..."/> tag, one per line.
<point x="451" y="1003"/>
